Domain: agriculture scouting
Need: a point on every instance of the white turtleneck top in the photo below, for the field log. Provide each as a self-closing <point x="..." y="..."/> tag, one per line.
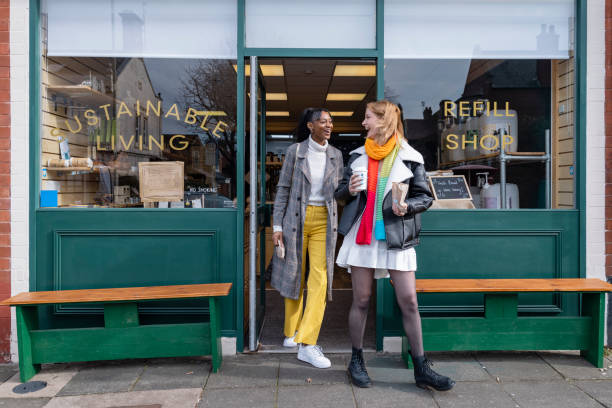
<point x="316" y="162"/>
<point x="317" y="158"/>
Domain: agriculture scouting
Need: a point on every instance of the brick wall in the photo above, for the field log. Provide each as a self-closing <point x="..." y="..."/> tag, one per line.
<point x="5" y="182"/>
<point x="608" y="125"/>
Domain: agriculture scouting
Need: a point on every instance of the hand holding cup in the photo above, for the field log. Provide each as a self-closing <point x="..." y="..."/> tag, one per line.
<point x="359" y="180"/>
<point x="355" y="184"/>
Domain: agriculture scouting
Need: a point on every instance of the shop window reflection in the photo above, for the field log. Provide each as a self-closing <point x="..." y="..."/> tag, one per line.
<point x="461" y="113"/>
<point x="102" y="118"/>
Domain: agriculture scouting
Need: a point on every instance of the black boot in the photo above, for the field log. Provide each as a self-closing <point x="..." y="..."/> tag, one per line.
<point x="425" y="377"/>
<point x="357" y="370"/>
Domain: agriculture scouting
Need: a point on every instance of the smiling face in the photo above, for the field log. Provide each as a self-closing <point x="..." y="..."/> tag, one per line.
<point x="321" y="128"/>
<point x="370" y="123"/>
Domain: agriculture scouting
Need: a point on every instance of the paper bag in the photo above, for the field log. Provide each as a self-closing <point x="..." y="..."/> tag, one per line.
<point x="280" y="251"/>
<point x="398" y="194"/>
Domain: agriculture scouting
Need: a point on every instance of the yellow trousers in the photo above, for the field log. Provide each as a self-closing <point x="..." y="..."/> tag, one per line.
<point x="307" y="321"/>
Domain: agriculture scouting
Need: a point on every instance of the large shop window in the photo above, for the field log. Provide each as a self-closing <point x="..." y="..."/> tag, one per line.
<point x="138" y="104"/>
<point x="487" y="90"/>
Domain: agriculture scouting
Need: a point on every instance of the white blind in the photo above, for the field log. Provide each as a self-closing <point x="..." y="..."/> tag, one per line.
<point x="142" y="28"/>
<point x="517" y="29"/>
<point x="310" y="24"/>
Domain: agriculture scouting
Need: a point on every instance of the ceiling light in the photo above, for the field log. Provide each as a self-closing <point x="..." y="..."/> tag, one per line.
<point x="247" y="69"/>
<point x="277" y="113"/>
<point x="341" y="113"/>
<point x="266" y="70"/>
<point x="276" y="96"/>
<point x="272" y="70"/>
<point x="355" y="70"/>
<point x="346" y="96"/>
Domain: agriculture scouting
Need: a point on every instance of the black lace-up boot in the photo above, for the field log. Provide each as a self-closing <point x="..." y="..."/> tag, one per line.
<point x="426" y="377"/>
<point x="357" y="370"/>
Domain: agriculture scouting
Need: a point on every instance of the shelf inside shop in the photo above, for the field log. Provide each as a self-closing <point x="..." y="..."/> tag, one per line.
<point x="492" y="156"/>
<point x="136" y="205"/>
<point x="272" y="164"/>
<point x="91" y="169"/>
<point x="83" y="94"/>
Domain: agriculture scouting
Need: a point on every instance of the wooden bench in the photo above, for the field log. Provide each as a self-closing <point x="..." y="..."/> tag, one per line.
<point x="122" y="335"/>
<point x="502" y="329"/>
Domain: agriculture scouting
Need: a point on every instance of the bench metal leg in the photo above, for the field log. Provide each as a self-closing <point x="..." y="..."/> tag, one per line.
<point x="593" y="305"/>
<point x="215" y="333"/>
<point x="27" y="320"/>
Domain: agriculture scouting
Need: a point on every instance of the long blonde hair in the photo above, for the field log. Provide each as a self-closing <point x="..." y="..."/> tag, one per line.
<point x="390" y="121"/>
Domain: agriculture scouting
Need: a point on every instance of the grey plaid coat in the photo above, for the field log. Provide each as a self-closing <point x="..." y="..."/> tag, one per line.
<point x="290" y="204"/>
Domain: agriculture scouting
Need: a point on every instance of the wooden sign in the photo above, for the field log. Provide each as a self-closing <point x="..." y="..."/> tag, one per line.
<point x="161" y="181"/>
<point x="450" y="188"/>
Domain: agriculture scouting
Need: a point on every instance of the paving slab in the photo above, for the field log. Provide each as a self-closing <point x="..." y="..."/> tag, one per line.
<point x="295" y="372"/>
<point x="475" y="395"/>
<point x="316" y="396"/>
<point x="23" y="402"/>
<point x="600" y="390"/>
<point x="549" y="394"/>
<point x="163" y="398"/>
<point x="7" y="371"/>
<point x="231" y="398"/>
<point x="388" y="370"/>
<point x="517" y="366"/>
<point x="391" y="395"/>
<point x="172" y="374"/>
<point x="246" y="371"/>
<point x="56" y="376"/>
<point x="104" y="377"/>
<point x="459" y="366"/>
<point x="575" y="367"/>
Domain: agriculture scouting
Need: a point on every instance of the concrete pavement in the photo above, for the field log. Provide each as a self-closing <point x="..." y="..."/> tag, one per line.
<point x="510" y="379"/>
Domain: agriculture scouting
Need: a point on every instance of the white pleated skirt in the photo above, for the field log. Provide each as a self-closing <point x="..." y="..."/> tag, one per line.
<point x="376" y="255"/>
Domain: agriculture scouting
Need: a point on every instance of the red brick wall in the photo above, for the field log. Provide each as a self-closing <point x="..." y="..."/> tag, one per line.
<point x="5" y="181"/>
<point x="608" y="119"/>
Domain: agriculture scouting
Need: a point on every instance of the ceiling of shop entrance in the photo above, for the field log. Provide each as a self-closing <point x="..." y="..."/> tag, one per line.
<point x="328" y="83"/>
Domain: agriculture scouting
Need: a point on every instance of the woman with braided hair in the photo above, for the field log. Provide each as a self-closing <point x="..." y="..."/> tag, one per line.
<point x="380" y="234"/>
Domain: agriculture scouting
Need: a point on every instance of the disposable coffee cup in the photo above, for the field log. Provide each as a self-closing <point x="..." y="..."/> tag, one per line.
<point x="362" y="172"/>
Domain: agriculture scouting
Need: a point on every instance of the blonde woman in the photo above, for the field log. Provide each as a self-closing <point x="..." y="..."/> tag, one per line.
<point x="380" y="234"/>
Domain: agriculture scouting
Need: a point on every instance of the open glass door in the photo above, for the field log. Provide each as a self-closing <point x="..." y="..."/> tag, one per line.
<point x="263" y="208"/>
<point x="258" y="218"/>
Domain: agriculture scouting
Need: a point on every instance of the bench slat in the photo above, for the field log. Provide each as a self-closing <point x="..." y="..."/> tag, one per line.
<point x="511" y="285"/>
<point x="119" y="294"/>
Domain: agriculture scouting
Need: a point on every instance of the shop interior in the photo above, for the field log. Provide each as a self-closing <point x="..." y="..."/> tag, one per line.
<point x="344" y="87"/>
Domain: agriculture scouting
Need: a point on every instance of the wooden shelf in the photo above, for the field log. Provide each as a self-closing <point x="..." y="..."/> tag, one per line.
<point x="70" y="168"/>
<point x="272" y="164"/>
<point x="83" y="94"/>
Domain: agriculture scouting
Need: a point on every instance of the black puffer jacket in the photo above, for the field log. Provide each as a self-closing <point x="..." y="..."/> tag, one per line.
<point x="401" y="232"/>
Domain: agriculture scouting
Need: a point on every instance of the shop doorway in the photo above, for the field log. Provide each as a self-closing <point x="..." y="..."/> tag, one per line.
<point x="287" y="87"/>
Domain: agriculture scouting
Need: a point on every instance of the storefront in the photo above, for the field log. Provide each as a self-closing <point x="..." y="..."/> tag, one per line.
<point x="140" y="141"/>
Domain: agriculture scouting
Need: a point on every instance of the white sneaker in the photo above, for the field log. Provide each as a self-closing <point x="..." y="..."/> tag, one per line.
<point x="289" y="342"/>
<point x="313" y="355"/>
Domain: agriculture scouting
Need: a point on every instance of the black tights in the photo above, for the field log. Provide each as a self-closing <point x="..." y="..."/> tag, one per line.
<point x="405" y="292"/>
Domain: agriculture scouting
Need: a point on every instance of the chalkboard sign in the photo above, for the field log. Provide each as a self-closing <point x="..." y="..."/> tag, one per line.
<point x="450" y="188"/>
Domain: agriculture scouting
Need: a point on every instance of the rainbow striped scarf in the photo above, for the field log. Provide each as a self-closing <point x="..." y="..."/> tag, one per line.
<point x="376" y="194"/>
